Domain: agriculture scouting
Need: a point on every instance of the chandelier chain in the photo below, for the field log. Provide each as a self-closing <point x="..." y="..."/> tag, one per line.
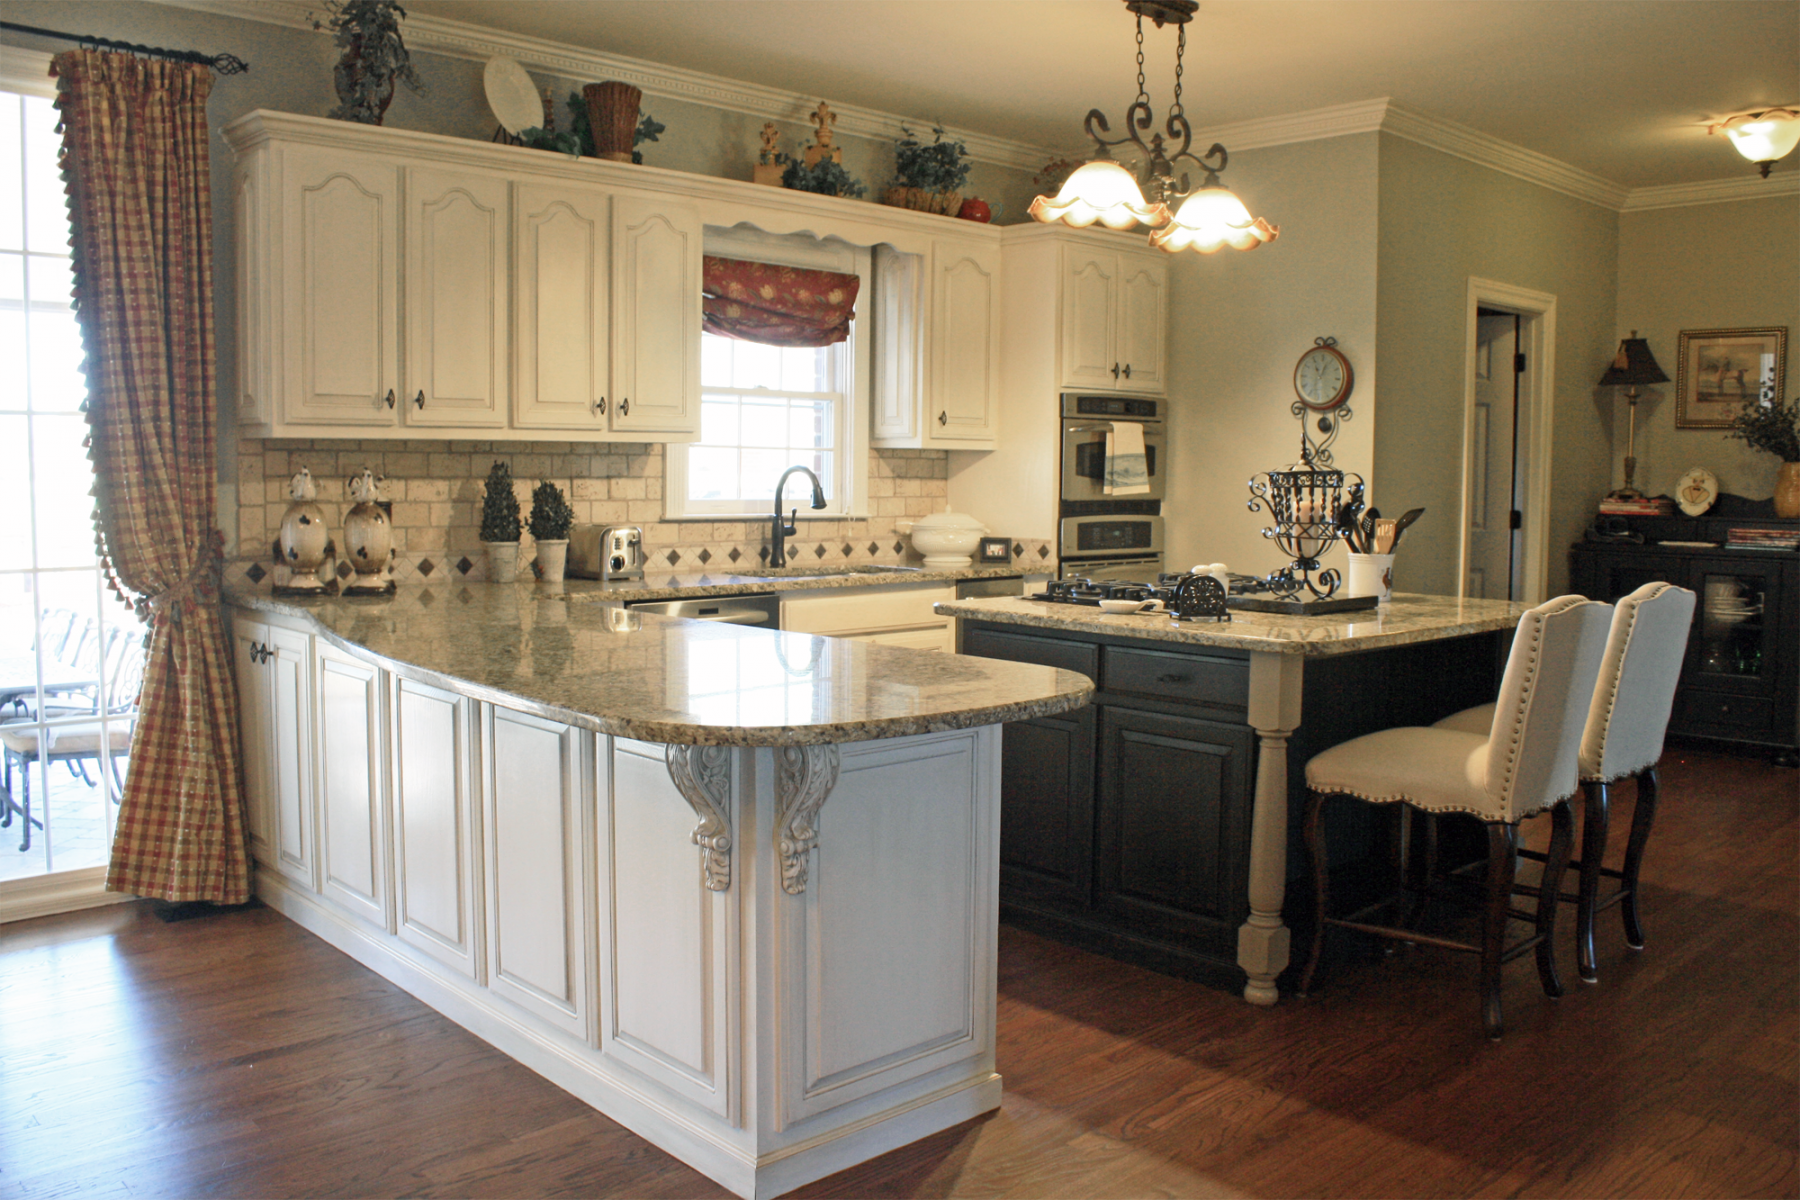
<point x="1143" y="96"/>
<point x="1180" y="52"/>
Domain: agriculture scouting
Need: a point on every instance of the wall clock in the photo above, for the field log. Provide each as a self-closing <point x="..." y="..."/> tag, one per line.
<point x="1322" y="377"/>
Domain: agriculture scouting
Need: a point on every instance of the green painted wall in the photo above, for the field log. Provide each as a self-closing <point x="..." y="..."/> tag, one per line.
<point x="1443" y="221"/>
<point x="1714" y="266"/>
<point x="1238" y="323"/>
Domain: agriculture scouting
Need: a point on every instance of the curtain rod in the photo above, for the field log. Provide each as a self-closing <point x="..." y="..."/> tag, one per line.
<point x="224" y="64"/>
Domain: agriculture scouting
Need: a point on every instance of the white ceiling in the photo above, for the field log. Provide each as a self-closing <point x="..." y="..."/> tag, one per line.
<point x="1619" y="88"/>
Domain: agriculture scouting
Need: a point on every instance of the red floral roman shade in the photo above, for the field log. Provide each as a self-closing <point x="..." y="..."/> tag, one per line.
<point x="777" y="305"/>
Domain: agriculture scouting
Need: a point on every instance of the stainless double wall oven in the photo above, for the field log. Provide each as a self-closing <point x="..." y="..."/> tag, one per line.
<point x="1101" y="535"/>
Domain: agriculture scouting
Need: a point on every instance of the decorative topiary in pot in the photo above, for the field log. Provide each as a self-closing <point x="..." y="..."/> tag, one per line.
<point x="1775" y="429"/>
<point x="375" y="57"/>
<point x="551" y="517"/>
<point x="500" y="524"/>
<point x="928" y="177"/>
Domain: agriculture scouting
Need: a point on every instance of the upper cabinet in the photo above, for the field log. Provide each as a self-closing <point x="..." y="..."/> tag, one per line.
<point x="1112" y="318"/>
<point x="937" y="346"/>
<point x="387" y="295"/>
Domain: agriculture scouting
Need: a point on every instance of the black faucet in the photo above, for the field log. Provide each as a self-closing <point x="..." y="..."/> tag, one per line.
<point x="785" y="530"/>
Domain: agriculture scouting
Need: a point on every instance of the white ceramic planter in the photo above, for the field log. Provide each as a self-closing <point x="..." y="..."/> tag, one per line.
<point x="947" y="539"/>
<point x="552" y="558"/>
<point x="502" y="561"/>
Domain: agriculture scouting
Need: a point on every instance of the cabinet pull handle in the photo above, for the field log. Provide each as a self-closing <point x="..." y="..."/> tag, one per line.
<point x="625" y="407"/>
<point x="600" y="406"/>
<point x="1128" y="370"/>
<point x="419" y="400"/>
<point x="1115" y="370"/>
<point x="944" y="417"/>
<point x="1171" y="679"/>
<point x="390" y="398"/>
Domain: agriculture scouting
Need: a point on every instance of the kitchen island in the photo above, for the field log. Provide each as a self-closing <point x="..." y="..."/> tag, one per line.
<point x="735" y="888"/>
<point x="1160" y="825"/>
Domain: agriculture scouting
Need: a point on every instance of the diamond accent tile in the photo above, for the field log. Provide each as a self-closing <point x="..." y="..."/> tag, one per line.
<point x="819" y="550"/>
<point x="345" y="570"/>
<point x="1043" y="551"/>
<point x="256" y="573"/>
<point x="762" y="552"/>
<point x="899" y="547"/>
<point x="426" y="567"/>
<point x="426" y="598"/>
<point x="874" y="548"/>
<point x="1018" y="549"/>
<point x="673" y="557"/>
<point x="463" y="565"/>
<point x="705" y="555"/>
<point x="735" y="554"/>
<point x="848" y="550"/>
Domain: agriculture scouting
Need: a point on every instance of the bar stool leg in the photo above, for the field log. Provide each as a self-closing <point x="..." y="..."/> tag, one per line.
<point x="1594" y="821"/>
<point x="1312" y="830"/>
<point x="1503" y="841"/>
<point x="1562" y="840"/>
<point x="1641" y="820"/>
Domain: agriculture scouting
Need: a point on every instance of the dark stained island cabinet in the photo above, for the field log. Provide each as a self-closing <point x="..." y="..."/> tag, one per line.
<point x="1742" y="672"/>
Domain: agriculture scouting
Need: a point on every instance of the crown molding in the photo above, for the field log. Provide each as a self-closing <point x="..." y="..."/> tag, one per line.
<point x="1485" y="150"/>
<point x="1713" y="191"/>
<point x="477" y="43"/>
<point x="1365" y="116"/>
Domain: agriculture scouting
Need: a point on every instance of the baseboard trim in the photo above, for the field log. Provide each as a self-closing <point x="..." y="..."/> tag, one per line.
<point x="47" y="895"/>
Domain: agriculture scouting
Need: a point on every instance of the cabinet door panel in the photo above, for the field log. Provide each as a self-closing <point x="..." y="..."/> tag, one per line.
<point x="255" y="737"/>
<point x="340" y="288"/>
<point x="1174" y="806"/>
<point x="1090" y="301"/>
<point x="563" y="243"/>
<point x="656" y="316"/>
<point x="1047" y="810"/>
<point x="434" y="856"/>
<point x="456" y="303"/>
<point x="1143" y="316"/>
<point x="353" y="817"/>
<point x="965" y="342"/>
<point x="537" y="922"/>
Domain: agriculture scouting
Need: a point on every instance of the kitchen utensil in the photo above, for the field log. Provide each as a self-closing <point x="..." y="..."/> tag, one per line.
<point x="1131" y="606"/>
<point x="1366" y="531"/>
<point x="1406" y="519"/>
<point x="1385" y="536"/>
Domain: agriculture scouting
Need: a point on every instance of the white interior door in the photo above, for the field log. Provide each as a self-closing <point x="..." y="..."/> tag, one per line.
<point x="1494" y="558"/>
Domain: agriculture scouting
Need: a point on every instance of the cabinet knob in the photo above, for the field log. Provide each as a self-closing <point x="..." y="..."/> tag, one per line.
<point x="1128" y="370"/>
<point x="625" y="407"/>
<point x="419" y="400"/>
<point x="390" y="398"/>
<point x="944" y="417"/>
<point x="1115" y="370"/>
<point x="600" y="405"/>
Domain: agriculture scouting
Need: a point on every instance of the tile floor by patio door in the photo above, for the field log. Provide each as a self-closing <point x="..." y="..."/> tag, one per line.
<point x="58" y="623"/>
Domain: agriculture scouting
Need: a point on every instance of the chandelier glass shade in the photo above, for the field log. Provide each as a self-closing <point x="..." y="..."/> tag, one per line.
<point x="1762" y="137"/>
<point x="1182" y="217"/>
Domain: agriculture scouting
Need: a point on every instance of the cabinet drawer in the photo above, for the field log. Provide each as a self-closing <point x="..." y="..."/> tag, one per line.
<point x="1720" y="712"/>
<point x="1191" y="678"/>
<point x="849" y="611"/>
<point x="1082" y="657"/>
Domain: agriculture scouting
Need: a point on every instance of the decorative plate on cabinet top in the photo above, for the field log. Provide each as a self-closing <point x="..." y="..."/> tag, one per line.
<point x="1696" y="491"/>
<point x="511" y="94"/>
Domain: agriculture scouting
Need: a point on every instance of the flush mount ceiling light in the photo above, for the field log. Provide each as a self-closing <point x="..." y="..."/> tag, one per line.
<point x="1103" y="191"/>
<point x="1762" y="137"/>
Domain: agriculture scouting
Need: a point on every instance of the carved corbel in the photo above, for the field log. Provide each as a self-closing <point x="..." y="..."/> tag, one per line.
<point x="703" y="776"/>
<point x="805" y="776"/>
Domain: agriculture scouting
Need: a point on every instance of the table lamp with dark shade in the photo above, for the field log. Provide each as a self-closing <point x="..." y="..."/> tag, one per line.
<point x="1633" y="366"/>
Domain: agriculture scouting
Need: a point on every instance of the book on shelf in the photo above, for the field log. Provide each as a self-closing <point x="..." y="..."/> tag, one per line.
<point x="1638" y="508"/>
<point x="1762" y="539"/>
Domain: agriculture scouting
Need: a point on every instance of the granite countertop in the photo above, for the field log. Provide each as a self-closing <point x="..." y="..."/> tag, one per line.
<point x="669" y="585"/>
<point x="1409" y="618"/>
<point x="604" y="667"/>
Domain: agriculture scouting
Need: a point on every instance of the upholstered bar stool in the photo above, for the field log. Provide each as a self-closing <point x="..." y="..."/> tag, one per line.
<point x="1523" y="764"/>
<point x="1623" y="740"/>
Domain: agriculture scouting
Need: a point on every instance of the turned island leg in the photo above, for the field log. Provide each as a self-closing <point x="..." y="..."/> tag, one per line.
<point x="1274" y="713"/>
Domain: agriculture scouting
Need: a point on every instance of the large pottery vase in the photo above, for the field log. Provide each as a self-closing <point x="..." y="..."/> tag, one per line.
<point x="1787" y="490"/>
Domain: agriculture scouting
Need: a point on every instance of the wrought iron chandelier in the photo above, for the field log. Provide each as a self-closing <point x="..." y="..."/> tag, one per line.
<point x="1103" y="191"/>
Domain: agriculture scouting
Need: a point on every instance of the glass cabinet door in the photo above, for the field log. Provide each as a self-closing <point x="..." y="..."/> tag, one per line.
<point x="1732" y="643"/>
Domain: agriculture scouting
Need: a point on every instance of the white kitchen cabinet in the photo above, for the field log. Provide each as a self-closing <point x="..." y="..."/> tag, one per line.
<point x="896" y="616"/>
<point x="455" y="309"/>
<point x="436" y="883"/>
<point x="273" y="667"/>
<point x="656" y="248"/>
<point x="353" y="819"/>
<point x="536" y="894"/>
<point x="562" y="342"/>
<point x="1113" y="311"/>
<point x="937" y="347"/>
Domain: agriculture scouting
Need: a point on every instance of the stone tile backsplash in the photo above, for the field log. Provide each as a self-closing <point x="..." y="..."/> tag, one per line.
<point x="436" y="488"/>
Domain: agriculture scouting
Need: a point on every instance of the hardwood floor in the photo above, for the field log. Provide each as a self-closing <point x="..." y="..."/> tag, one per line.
<point x="235" y="1055"/>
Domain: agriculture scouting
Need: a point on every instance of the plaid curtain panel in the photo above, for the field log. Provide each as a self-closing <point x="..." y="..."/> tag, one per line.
<point x="135" y="159"/>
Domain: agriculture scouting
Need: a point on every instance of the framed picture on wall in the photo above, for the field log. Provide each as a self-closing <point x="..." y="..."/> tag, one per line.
<point x="1719" y="369"/>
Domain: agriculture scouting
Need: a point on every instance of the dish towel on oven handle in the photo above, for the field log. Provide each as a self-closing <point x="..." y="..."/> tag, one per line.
<point x="1127" y="469"/>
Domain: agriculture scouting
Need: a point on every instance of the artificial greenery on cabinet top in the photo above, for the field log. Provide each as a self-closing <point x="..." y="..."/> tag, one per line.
<point x="939" y="166"/>
<point x="499" y="507"/>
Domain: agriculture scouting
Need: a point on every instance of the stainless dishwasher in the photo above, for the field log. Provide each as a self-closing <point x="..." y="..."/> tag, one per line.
<point x="764" y="610"/>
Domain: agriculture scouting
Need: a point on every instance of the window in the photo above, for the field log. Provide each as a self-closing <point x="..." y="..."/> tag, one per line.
<point x="764" y="409"/>
<point x="69" y="652"/>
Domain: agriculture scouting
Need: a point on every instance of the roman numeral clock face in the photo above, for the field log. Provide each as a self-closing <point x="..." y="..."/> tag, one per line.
<point x="1322" y="378"/>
